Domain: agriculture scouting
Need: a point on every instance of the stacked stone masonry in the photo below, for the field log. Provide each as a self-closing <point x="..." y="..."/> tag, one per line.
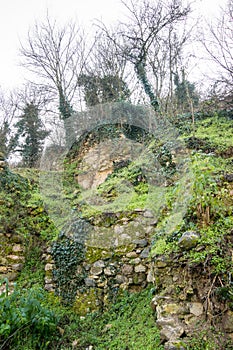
<point x="12" y="257"/>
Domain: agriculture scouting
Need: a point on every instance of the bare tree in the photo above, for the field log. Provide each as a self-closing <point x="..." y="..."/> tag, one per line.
<point x="31" y="93"/>
<point x="8" y="109"/>
<point x="105" y="58"/>
<point x="57" y="55"/>
<point x="165" y="58"/>
<point x="218" y="43"/>
<point x="141" y="35"/>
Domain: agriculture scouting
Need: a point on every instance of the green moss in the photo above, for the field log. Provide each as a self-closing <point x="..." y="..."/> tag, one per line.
<point x="122" y="250"/>
<point x="160" y="247"/>
<point x="94" y="253"/>
<point x="86" y="302"/>
<point x="5" y="246"/>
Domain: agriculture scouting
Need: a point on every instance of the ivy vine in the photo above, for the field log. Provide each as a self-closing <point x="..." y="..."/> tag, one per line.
<point x="68" y="273"/>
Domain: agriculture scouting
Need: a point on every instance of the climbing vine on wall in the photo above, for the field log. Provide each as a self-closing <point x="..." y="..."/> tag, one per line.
<point x="68" y="274"/>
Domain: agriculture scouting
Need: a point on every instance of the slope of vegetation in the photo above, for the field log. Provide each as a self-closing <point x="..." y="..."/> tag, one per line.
<point x="31" y="318"/>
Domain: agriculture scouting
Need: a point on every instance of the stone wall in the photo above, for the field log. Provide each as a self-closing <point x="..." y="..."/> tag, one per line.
<point x="12" y="251"/>
<point x="116" y="258"/>
<point x="3" y="163"/>
<point x="186" y="303"/>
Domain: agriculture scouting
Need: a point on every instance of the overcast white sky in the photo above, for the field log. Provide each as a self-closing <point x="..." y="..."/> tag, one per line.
<point x="16" y="17"/>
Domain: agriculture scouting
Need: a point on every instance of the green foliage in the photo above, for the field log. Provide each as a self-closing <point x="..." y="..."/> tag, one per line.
<point x="211" y="196"/>
<point x="25" y="318"/>
<point x="127" y="324"/>
<point x="209" y="208"/>
<point x="14" y="192"/>
<point x="65" y="108"/>
<point x="206" y="341"/>
<point x="214" y="252"/>
<point x="129" y="186"/>
<point x="217" y="130"/>
<point x="183" y="122"/>
<point x="67" y="255"/>
<point x="30" y="135"/>
<point x="164" y="158"/>
<point x="225" y="293"/>
<point x="33" y="271"/>
<point x="140" y="68"/>
<point x="109" y="88"/>
<point x="22" y="211"/>
<point x="132" y="324"/>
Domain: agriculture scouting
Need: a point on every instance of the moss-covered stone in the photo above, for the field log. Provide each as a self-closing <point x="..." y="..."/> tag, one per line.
<point x="94" y="253"/>
<point x="88" y="301"/>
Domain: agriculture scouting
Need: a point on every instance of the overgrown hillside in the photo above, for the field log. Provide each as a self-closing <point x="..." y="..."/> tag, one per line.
<point x="191" y="250"/>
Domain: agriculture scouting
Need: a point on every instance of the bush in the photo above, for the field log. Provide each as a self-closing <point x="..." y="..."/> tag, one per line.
<point x="23" y="316"/>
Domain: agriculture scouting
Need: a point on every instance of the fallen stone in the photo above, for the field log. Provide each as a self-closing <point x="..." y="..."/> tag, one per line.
<point x="118" y="229"/>
<point x="48" y="280"/>
<point x="188" y="240"/>
<point x="124" y="237"/>
<point x="168" y="309"/>
<point x="120" y="279"/>
<point x="174" y="345"/>
<point x="150" y="276"/>
<point x="171" y="331"/>
<point x="190" y="320"/>
<point x="49" y="287"/>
